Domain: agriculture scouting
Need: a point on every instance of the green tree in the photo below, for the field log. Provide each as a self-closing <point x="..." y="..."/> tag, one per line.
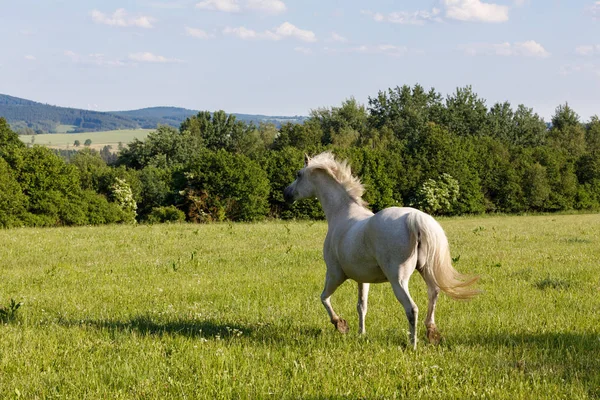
<point x="221" y="185"/>
<point x="537" y="188"/>
<point x="530" y="129"/>
<point x="88" y="142"/>
<point x="306" y="137"/>
<point x="405" y="111"/>
<point x="12" y="199"/>
<point x="466" y="113"/>
<point x="567" y="133"/>
<point x="165" y="147"/>
<point x="281" y="167"/>
<point x="215" y="131"/>
<point x="157" y="189"/>
<point x="341" y="126"/>
<point x="91" y="167"/>
<point x="438" y="196"/>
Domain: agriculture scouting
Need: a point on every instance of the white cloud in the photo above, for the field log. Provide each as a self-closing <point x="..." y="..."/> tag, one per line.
<point x="588" y="50"/>
<point x="198" y="33"/>
<point x="588" y="68"/>
<point x="167" y="5"/>
<point x="407" y="17"/>
<point x="230" y="6"/>
<point x="29" y="57"/>
<point x="335" y="37"/>
<point x="460" y="10"/>
<point x="285" y="30"/>
<point x="120" y="18"/>
<point x="267" y="6"/>
<point x="234" y="6"/>
<point x="242" y="33"/>
<point x="93" y="59"/>
<point x="595" y="10"/>
<point x="391" y="50"/>
<point x="475" y="10"/>
<point x="288" y="30"/>
<point x="303" y="50"/>
<point x="528" y="48"/>
<point x="152" y="58"/>
<point x="385" y="49"/>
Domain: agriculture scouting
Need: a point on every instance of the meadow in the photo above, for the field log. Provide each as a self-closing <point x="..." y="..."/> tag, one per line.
<point x="224" y="311"/>
<point x="99" y="139"/>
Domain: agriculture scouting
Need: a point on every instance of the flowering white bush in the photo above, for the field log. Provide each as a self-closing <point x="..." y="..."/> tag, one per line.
<point x="123" y="196"/>
<point x="438" y="197"/>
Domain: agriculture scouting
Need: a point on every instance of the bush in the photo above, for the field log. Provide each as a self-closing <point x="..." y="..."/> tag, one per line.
<point x="156" y="189"/>
<point x="438" y="197"/>
<point x="100" y="211"/>
<point x="123" y="197"/>
<point x="281" y="168"/>
<point x="12" y="200"/>
<point x="166" y="214"/>
<point x="220" y="185"/>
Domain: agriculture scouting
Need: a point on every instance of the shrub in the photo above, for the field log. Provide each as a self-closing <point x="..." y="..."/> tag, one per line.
<point x="438" y="197"/>
<point x="220" y="185"/>
<point x="123" y="197"/>
<point x="166" y="214"/>
<point x="12" y="200"/>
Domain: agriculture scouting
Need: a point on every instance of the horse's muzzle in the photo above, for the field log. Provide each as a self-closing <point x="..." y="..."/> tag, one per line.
<point x="288" y="194"/>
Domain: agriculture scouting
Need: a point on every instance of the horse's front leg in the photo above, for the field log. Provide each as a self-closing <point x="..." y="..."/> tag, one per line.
<point x="361" y="307"/>
<point x="333" y="280"/>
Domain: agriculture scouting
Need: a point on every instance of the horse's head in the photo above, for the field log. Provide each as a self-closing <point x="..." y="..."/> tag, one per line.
<point x="302" y="187"/>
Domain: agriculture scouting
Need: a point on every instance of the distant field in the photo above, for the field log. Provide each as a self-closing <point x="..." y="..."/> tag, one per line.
<point x="232" y="311"/>
<point x="64" y="128"/>
<point x="99" y="139"/>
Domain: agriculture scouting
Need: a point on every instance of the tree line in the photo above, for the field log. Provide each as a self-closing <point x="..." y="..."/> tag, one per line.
<point x="409" y="145"/>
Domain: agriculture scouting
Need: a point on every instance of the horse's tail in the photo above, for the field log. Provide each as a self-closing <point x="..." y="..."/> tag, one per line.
<point x="437" y="260"/>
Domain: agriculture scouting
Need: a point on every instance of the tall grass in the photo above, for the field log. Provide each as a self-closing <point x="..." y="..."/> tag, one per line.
<point x="232" y="311"/>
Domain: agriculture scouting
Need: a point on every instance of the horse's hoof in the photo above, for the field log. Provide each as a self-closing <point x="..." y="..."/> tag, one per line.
<point x="342" y="326"/>
<point x="433" y="335"/>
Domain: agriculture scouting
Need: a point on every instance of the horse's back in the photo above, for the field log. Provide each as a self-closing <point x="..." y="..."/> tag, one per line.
<point x="390" y="235"/>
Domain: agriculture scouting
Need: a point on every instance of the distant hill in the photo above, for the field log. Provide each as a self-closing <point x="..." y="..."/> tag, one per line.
<point x="29" y="117"/>
<point x="149" y="118"/>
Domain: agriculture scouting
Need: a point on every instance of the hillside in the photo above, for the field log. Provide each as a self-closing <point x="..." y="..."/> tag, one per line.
<point x="149" y="118"/>
<point x="29" y="117"/>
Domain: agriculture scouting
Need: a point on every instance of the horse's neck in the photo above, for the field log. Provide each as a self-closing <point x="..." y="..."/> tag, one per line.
<point x="335" y="200"/>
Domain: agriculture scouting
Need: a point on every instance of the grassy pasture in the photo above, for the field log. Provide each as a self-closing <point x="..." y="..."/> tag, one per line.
<point x="232" y="311"/>
<point x="99" y="139"/>
<point x="64" y="128"/>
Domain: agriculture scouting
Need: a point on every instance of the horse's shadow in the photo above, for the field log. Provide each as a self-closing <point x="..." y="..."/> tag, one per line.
<point x="194" y="328"/>
<point x="553" y="341"/>
<point x="146" y="325"/>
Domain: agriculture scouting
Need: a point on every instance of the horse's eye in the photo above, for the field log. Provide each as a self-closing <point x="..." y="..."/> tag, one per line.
<point x="298" y="175"/>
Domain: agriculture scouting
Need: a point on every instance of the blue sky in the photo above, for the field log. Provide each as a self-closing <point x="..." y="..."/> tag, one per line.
<point x="285" y="57"/>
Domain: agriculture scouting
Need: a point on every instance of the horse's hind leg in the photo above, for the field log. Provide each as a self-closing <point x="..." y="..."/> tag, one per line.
<point x="433" y="335"/>
<point x="332" y="282"/>
<point x="361" y="307"/>
<point x="400" y="287"/>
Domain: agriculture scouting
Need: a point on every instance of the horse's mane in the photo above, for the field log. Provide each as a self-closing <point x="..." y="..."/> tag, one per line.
<point x="340" y="171"/>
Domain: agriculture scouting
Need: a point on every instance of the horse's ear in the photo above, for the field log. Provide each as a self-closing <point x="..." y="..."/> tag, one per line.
<point x="306" y="159"/>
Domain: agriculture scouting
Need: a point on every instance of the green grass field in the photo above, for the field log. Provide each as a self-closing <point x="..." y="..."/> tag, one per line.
<point x="64" y="128"/>
<point x="232" y="311"/>
<point x="99" y="139"/>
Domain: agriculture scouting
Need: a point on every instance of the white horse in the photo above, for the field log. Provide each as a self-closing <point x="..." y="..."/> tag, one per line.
<point x="373" y="248"/>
